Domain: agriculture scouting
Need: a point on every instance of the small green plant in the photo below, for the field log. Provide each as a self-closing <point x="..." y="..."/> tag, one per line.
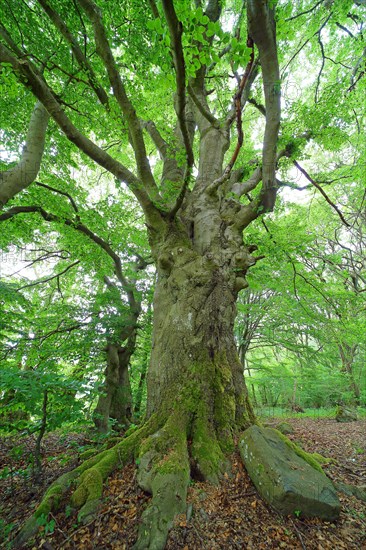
<point x="5" y="472"/>
<point x="68" y="510"/>
<point x="356" y="514"/>
<point x="49" y="525"/>
<point x="5" y="530"/>
<point x="297" y="513"/>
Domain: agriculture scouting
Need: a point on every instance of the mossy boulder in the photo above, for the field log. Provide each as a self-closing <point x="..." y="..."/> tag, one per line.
<point x="285" y="428"/>
<point x="345" y="415"/>
<point x="285" y="480"/>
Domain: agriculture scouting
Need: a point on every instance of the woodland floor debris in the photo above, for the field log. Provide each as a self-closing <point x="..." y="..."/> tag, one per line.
<point x="230" y="516"/>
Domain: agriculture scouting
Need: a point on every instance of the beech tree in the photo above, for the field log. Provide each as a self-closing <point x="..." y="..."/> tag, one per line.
<point x="180" y="102"/>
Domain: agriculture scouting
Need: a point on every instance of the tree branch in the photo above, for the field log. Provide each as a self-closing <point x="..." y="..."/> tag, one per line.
<point x="321" y="68"/>
<point x="47" y="279"/>
<point x="76" y="50"/>
<point x="242" y="188"/>
<point x="261" y="28"/>
<point x="261" y="108"/>
<point x="238" y="110"/>
<point x="156" y="136"/>
<point x="305" y="12"/>
<point x="154" y="9"/>
<point x="309" y="178"/>
<point x="244" y="95"/>
<point x="19" y="177"/>
<point x="105" y="53"/>
<point x="32" y="79"/>
<point x="73" y="203"/>
<point x="205" y="112"/>
<point x="176" y="31"/>
<point x="78" y="226"/>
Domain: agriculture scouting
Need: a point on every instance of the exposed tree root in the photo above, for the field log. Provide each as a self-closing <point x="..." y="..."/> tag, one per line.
<point x="207" y="457"/>
<point x="187" y="440"/>
<point x="164" y="472"/>
<point x="169" y="451"/>
<point x="187" y="446"/>
<point x="89" y="477"/>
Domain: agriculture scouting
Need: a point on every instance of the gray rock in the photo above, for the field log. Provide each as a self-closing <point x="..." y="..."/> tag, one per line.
<point x="345" y="415"/>
<point x="284" y="479"/>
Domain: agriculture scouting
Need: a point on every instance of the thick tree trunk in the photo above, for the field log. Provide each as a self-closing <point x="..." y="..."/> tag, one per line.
<point x="193" y="350"/>
<point x="195" y="384"/>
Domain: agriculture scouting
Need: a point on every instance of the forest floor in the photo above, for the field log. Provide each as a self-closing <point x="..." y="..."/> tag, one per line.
<point x="231" y="516"/>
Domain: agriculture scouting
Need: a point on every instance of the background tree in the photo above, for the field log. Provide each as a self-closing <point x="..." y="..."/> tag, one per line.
<point x="313" y="314"/>
<point x="91" y="321"/>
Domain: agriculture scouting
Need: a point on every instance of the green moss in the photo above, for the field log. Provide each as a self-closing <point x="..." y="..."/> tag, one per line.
<point x="285" y="428"/>
<point x="321" y="459"/>
<point x="308" y="457"/>
<point x="79" y="497"/>
<point x="98" y="467"/>
<point x="50" y="501"/>
<point x="93" y="480"/>
<point x="89" y="510"/>
<point x="111" y="459"/>
<point x="131" y="430"/>
<point x="174" y="462"/>
<point x="112" y="441"/>
<point x="170" y="439"/>
<point x="206" y="451"/>
<point x="90" y="487"/>
<point x="88" y="454"/>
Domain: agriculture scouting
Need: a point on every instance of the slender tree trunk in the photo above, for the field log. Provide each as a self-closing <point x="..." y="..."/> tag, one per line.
<point x="116" y="400"/>
<point x="347" y="354"/>
<point x="121" y="402"/>
<point x="42" y="431"/>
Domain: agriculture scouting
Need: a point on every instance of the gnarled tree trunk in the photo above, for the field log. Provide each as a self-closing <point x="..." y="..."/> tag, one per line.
<point x="195" y="381"/>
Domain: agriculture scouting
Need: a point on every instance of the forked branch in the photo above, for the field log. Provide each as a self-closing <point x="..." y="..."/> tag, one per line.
<point x="238" y="105"/>
<point x="105" y="53"/>
<point x="76" y="50"/>
<point x="33" y="80"/>
<point x="329" y="201"/>
<point x="175" y="31"/>
<point x="81" y="228"/>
